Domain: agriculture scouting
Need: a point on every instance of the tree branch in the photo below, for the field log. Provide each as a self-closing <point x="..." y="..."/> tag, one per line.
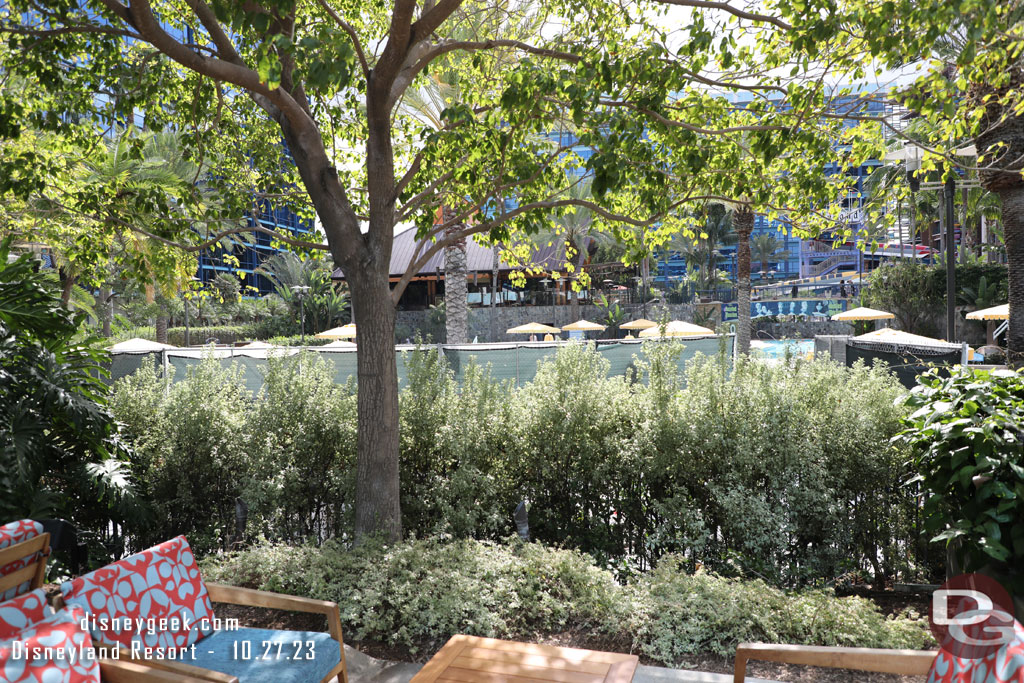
<point x="347" y="28"/>
<point x="735" y="11"/>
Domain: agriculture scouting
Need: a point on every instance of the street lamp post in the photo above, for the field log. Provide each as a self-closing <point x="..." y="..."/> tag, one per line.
<point x="300" y="294"/>
<point x="911" y="155"/>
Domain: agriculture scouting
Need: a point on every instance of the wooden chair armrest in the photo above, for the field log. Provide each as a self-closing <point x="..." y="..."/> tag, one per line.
<point x="117" y="671"/>
<point x="903" y="662"/>
<point x="234" y="595"/>
<point x="179" y="670"/>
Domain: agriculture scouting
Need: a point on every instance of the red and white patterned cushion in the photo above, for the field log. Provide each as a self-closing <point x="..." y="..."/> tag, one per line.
<point x="1003" y="666"/>
<point x="54" y="649"/>
<point x="161" y="583"/>
<point x="16" y="532"/>
<point x="22" y="612"/>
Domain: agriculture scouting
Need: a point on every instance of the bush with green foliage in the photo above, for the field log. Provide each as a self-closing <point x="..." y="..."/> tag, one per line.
<point x="454" y="461"/>
<point x="60" y="450"/>
<point x="968" y="455"/>
<point x="915" y="292"/>
<point x="301" y="432"/>
<point x="191" y="450"/>
<point x="782" y="472"/>
<point x="785" y="473"/>
<point x="419" y="593"/>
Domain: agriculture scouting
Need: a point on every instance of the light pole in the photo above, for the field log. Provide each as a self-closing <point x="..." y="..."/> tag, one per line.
<point x="300" y="294"/>
<point x="911" y="155"/>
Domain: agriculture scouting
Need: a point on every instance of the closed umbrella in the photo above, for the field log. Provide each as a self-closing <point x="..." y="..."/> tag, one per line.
<point x="677" y="328"/>
<point x="343" y="332"/>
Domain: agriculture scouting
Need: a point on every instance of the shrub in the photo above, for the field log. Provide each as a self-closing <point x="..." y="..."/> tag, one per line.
<point x="454" y="462"/>
<point x="965" y="436"/>
<point x="781" y="472"/>
<point x="675" y="614"/>
<point x="300" y="475"/>
<point x="578" y="445"/>
<point x="60" y="451"/>
<point x="419" y="593"/>
<point x="224" y="334"/>
<point x="190" y="450"/>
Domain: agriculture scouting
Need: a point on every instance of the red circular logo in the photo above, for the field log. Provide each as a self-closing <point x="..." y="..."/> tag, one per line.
<point x="971" y="616"/>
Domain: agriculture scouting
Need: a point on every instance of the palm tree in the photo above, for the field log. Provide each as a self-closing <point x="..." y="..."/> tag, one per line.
<point x="765" y="249"/>
<point x="743" y="222"/>
<point x="287" y="270"/>
<point x="428" y="103"/>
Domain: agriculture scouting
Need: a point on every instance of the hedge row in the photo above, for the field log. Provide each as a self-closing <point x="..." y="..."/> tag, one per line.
<point x="419" y="593"/>
<point x="784" y="473"/>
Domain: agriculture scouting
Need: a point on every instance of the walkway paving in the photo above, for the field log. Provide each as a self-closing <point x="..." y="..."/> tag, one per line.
<point x="365" y="669"/>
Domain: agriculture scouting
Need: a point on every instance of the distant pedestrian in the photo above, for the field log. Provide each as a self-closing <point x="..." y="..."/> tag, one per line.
<point x="796" y="291"/>
<point x="842" y="288"/>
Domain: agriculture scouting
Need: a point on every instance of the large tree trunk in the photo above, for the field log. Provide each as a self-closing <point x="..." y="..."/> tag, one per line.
<point x="106" y="309"/>
<point x="1006" y="182"/>
<point x="377" y="504"/>
<point x="455" y="306"/>
<point x="743" y="221"/>
<point x="1013" y="225"/>
<point x="67" y="285"/>
<point x="161" y="327"/>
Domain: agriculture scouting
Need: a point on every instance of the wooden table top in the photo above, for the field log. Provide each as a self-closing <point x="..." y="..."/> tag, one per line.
<point x="469" y="659"/>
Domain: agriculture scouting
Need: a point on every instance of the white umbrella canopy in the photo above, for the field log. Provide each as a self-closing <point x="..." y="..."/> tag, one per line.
<point x="137" y="345"/>
<point x="863" y="313"/>
<point x="533" y="328"/>
<point x="677" y="328"/>
<point x="338" y="344"/>
<point x="887" y="334"/>
<point x="639" y="324"/>
<point x="257" y="345"/>
<point x="343" y="332"/>
<point x="994" y="313"/>
<point x="583" y="326"/>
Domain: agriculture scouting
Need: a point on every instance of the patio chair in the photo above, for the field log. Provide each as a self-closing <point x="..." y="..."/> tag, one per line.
<point x="24" y="549"/>
<point x="32" y="634"/>
<point x="163" y="583"/>
<point x="1005" y="665"/>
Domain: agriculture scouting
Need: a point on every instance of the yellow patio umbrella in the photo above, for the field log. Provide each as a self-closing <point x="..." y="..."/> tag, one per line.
<point x="583" y="326"/>
<point x="533" y="328"/>
<point x="343" y="332"/>
<point x="640" y="324"/>
<point x="677" y="328"/>
<point x="863" y="313"/>
<point x="994" y="313"/>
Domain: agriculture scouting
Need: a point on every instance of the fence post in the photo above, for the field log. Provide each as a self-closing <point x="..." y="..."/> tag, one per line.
<point x="517" y="365"/>
<point x="167" y="377"/>
<point x="963" y="354"/>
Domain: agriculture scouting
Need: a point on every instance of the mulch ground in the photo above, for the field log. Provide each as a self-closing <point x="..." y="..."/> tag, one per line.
<point x="888" y="601"/>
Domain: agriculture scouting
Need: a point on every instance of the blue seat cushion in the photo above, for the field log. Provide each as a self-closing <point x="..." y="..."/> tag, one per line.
<point x="259" y="655"/>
